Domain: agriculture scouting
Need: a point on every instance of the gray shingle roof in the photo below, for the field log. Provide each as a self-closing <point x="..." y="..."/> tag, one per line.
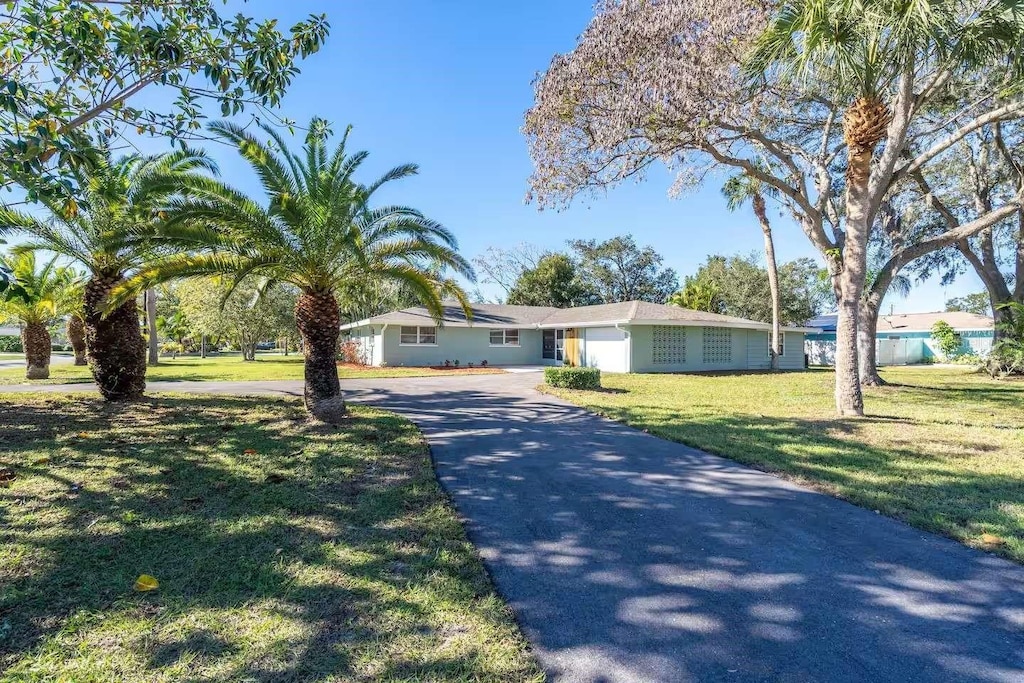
<point x="484" y="315"/>
<point x="499" y="315"/>
<point x="629" y="311"/>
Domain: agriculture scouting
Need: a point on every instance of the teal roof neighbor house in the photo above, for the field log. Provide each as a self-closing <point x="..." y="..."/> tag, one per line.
<point x="632" y="336"/>
<point x="905" y="338"/>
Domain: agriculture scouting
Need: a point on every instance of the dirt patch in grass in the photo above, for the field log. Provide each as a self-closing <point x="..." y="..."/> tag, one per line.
<point x="941" y="448"/>
<point x="283" y="550"/>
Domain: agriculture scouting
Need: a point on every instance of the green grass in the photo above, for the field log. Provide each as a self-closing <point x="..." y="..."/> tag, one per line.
<point x="284" y="550"/>
<point x="229" y="368"/>
<point x="942" y="449"/>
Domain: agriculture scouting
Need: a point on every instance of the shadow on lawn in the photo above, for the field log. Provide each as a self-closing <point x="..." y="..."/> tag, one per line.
<point x="305" y="531"/>
<point x="628" y="557"/>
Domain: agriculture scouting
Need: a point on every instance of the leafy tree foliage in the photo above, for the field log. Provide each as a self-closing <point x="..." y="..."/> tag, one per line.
<point x="947" y="339"/>
<point x="72" y="71"/>
<point x="698" y="294"/>
<point x="812" y="88"/>
<point x="554" y="281"/>
<point x="740" y="288"/>
<point x="977" y="303"/>
<point x="244" y="316"/>
<point x="620" y="270"/>
<point x="1007" y="357"/>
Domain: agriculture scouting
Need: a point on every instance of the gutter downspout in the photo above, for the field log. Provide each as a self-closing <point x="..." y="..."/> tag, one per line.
<point x="629" y="346"/>
<point x="383" y="329"/>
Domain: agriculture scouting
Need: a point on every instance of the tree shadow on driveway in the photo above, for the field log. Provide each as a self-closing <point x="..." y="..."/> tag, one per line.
<point x="631" y="558"/>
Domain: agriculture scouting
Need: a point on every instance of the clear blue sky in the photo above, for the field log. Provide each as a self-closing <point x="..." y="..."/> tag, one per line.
<point x="445" y="83"/>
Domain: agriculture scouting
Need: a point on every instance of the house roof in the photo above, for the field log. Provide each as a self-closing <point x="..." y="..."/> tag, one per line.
<point x="9" y="331"/>
<point x="484" y="315"/>
<point x="914" y="322"/>
<point x="626" y="312"/>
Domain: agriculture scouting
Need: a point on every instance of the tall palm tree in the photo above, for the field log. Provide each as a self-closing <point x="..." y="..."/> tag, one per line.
<point x="49" y="293"/>
<point x="738" y="190"/>
<point x="865" y="53"/>
<point x="316" y="229"/>
<point x="108" y="235"/>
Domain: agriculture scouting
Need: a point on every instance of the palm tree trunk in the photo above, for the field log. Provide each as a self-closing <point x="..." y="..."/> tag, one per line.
<point x="316" y="316"/>
<point x="773" y="279"/>
<point x="117" y="351"/>
<point x="864" y="125"/>
<point x="35" y="339"/>
<point x="154" y="341"/>
<point x="76" y="335"/>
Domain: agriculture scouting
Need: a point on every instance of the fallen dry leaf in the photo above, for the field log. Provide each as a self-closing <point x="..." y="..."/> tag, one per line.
<point x="7" y="475"/>
<point x="146" y="583"/>
<point x="991" y="539"/>
<point x="249" y="451"/>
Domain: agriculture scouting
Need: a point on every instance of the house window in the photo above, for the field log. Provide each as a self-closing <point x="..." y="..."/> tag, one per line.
<point x="717" y="345"/>
<point x="669" y="345"/>
<point x="782" y="344"/>
<point x="418" y="335"/>
<point x="504" y="337"/>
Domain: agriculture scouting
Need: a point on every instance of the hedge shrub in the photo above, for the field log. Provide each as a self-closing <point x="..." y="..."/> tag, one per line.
<point x="10" y="344"/>
<point x="573" y="378"/>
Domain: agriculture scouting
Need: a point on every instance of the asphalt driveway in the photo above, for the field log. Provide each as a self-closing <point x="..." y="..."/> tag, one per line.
<point x="630" y="558"/>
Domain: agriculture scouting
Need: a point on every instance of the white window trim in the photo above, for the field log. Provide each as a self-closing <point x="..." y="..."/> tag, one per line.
<point x="417" y="343"/>
<point x="504" y="334"/>
<point x="782" y="338"/>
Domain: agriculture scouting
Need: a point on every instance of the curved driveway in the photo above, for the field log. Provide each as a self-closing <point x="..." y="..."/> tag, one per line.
<point x="629" y="558"/>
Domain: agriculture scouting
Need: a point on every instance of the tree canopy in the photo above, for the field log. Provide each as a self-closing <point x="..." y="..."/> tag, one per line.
<point x="555" y="281"/>
<point x="619" y="270"/>
<point x="738" y="286"/>
<point x="72" y="71"/>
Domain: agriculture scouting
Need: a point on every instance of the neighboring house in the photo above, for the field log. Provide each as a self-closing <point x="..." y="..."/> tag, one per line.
<point x="632" y="336"/>
<point x="905" y="338"/>
<point x="10" y="331"/>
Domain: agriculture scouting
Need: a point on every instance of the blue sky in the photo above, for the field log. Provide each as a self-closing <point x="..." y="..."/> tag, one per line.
<point x="445" y="83"/>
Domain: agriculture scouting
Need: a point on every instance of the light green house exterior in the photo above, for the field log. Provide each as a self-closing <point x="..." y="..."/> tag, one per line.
<point x="632" y="336"/>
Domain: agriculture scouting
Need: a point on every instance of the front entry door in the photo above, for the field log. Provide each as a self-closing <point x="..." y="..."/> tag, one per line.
<point x="553" y="345"/>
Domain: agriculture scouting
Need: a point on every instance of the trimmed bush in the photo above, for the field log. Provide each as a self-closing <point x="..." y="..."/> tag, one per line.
<point x="573" y="378"/>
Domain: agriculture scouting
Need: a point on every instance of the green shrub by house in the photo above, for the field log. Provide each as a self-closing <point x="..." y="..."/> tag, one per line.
<point x="573" y="378"/>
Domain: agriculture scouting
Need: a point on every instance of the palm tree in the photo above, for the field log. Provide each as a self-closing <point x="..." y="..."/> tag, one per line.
<point x="698" y="294"/>
<point x="315" y="229"/>
<point x="74" y="327"/>
<point x="865" y="53"/>
<point x="107" y="234"/>
<point x="737" y="191"/>
<point x="48" y="294"/>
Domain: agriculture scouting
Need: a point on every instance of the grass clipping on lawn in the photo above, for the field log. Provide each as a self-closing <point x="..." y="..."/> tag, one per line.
<point x="283" y="550"/>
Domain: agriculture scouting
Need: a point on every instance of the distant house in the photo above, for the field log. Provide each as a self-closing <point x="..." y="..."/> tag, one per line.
<point x="10" y="331"/>
<point x="905" y="338"/>
<point x="632" y="336"/>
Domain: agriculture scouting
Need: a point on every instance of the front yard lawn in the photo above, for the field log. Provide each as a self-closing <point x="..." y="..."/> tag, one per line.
<point x="231" y="368"/>
<point x="942" y="449"/>
<point x="283" y="550"/>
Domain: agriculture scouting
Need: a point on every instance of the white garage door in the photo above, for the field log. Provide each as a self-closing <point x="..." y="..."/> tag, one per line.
<point x="606" y="348"/>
